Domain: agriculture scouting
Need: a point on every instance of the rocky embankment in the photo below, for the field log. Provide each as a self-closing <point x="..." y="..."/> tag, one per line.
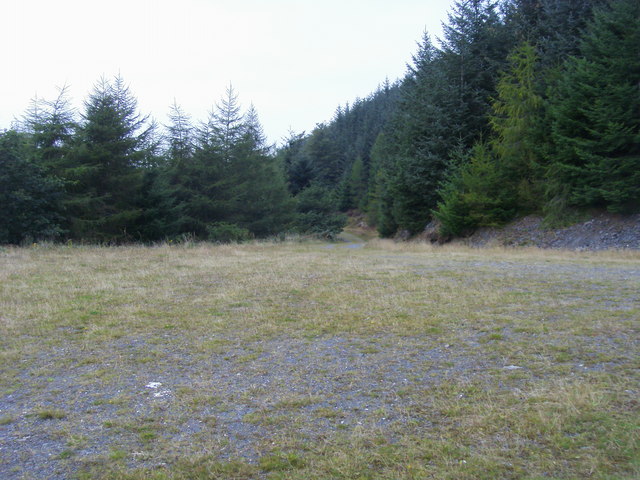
<point x="601" y="232"/>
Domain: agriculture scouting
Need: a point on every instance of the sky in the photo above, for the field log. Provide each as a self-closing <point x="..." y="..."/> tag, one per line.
<point x="295" y="61"/>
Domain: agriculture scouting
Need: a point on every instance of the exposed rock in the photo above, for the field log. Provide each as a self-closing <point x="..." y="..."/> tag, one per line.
<point x="432" y="232"/>
<point x="603" y="231"/>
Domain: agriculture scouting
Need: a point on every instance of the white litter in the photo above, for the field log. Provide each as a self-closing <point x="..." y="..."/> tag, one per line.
<point x="153" y="385"/>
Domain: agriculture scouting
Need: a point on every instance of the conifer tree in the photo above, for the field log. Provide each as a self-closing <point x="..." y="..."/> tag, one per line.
<point x="258" y="198"/>
<point x="30" y="199"/>
<point x="596" y="116"/>
<point x="503" y="176"/>
<point x="517" y="123"/>
<point x="104" y="171"/>
<point x="418" y="142"/>
<point x="52" y="125"/>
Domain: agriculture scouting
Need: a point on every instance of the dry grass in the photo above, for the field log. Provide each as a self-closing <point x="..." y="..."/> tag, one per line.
<point x="569" y="321"/>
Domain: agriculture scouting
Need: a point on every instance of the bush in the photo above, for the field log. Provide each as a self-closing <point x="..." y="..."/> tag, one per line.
<point x="222" y="232"/>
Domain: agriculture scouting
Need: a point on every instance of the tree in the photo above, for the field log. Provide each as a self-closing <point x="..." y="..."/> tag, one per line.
<point x="353" y="188"/>
<point x="226" y="123"/>
<point x="380" y="199"/>
<point x="104" y="171"/>
<point x="179" y="136"/>
<point x="52" y="125"/>
<point x="417" y="144"/>
<point x="317" y="212"/>
<point x="517" y="123"/>
<point x="30" y="199"/>
<point x="501" y="177"/>
<point x="474" y="50"/>
<point x="595" y="110"/>
<point x="326" y="159"/>
<point x="231" y="186"/>
<point x="258" y="198"/>
<point x="474" y="194"/>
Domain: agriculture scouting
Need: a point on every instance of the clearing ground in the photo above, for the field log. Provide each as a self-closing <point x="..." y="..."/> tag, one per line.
<point x="318" y="361"/>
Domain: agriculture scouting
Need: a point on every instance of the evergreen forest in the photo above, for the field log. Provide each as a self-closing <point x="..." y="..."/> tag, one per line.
<point x="522" y="107"/>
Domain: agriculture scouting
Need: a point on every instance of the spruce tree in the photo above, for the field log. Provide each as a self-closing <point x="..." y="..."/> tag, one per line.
<point x="30" y="198"/>
<point x="230" y="187"/>
<point x="595" y="110"/>
<point x="517" y="123"/>
<point x="419" y="139"/>
<point x="52" y="125"/>
<point x="104" y="170"/>
<point x="258" y="197"/>
<point x="501" y="177"/>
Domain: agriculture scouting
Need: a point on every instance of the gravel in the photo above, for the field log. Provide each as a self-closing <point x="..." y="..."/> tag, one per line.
<point x="602" y="232"/>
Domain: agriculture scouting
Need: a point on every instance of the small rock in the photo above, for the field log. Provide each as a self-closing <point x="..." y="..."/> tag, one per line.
<point x="511" y="367"/>
<point x="153" y="385"/>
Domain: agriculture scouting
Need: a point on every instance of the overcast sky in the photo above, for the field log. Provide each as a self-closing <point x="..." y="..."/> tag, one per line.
<point x="295" y="60"/>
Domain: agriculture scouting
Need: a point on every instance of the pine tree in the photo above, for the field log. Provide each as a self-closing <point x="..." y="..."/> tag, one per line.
<point x="417" y="144"/>
<point x="326" y="159"/>
<point x="30" y="199"/>
<point x="180" y="134"/>
<point x="226" y="123"/>
<point x="379" y="202"/>
<point x="104" y="170"/>
<point x="231" y="187"/>
<point x="52" y="125"/>
<point x="501" y="177"/>
<point x="596" y="116"/>
<point x="259" y="200"/>
<point x="474" y="50"/>
<point x="517" y="122"/>
<point x="295" y="164"/>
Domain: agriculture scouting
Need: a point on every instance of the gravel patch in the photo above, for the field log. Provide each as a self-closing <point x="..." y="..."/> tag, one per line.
<point x="602" y="232"/>
<point x="161" y="397"/>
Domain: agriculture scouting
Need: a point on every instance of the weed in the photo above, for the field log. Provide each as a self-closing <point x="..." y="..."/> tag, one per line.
<point x="6" y="420"/>
<point x="51" y="414"/>
<point x="280" y="461"/>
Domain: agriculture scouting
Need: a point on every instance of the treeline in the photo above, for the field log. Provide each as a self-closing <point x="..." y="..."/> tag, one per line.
<point x="110" y="175"/>
<point x="526" y="106"/>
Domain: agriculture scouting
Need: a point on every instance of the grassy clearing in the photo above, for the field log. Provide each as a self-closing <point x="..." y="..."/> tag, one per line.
<point x="300" y="361"/>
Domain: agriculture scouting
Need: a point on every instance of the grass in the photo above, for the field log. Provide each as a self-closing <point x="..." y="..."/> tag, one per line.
<point x="292" y="360"/>
<point x="50" y="414"/>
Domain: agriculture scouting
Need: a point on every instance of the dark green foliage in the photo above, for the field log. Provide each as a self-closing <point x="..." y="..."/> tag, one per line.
<point x="225" y="177"/>
<point x="595" y="110"/>
<point x="474" y="51"/>
<point x="353" y="188"/>
<point x="553" y="26"/>
<point x="471" y="134"/>
<point x="444" y="103"/>
<point x="328" y="163"/>
<point x="52" y="125"/>
<point x="328" y="154"/>
<point x="562" y="24"/>
<point x="317" y="213"/>
<point x="103" y="172"/>
<point x="222" y="232"/>
<point x="502" y="177"/>
<point x="421" y="137"/>
<point x="475" y="195"/>
<point x="296" y="163"/>
<point x="29" y="199"/>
